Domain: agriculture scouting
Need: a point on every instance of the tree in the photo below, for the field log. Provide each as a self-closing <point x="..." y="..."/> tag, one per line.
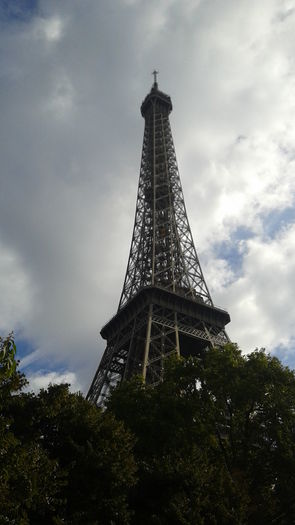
<point x="253" y="398"/>
<point x="215" y="441"/>
<point x="7" y="357"/>
<point x="62" y="460"/>
<point x="24" y="468"/>
<point x="93" y="452"/>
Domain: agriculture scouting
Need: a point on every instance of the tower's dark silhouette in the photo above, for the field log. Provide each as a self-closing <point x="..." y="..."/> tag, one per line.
<point x="165" y="306"/>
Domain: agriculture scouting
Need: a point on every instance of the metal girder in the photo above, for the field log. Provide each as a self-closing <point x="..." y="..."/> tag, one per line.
<point x="162" y="248"/>
<point x="165" y="306"/>
<point x="138" y="344"/>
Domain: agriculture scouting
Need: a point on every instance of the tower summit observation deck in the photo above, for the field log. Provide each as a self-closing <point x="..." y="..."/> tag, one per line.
<point x="165" y="306"/>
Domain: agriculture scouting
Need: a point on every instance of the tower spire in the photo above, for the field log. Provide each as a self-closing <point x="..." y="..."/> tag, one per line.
<point x="155" y="73"/>
<point x="165" y="306"/>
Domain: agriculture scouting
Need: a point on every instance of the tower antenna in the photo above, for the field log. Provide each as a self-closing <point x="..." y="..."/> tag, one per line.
<point x="155" y="73"/>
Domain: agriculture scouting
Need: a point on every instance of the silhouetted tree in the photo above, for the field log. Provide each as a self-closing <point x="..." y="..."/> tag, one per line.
<point x="215" y="440"/>
<point x="214" y="443"/>
<point x="62" y="460"/>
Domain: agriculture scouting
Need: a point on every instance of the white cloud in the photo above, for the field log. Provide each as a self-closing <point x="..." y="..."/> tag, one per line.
<point x="261" y="300"/>
<point x="50" y="29"/>
<point x="16" y="291"/>
<point x="61" y="100"/>
<point x="73" y="79"/>
<point x="41" y="379"/>
<point x="30" y="358"/>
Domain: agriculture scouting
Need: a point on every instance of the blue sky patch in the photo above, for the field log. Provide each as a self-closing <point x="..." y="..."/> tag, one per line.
<point x="242" y="234"/>
<point x="23" y="347"/>
<point x="231" y="250"/>
<point x="278" y="219"/>
<point x="32" y="361"/>
<point x="286" y="354"/>
<point x="18" y="10"/>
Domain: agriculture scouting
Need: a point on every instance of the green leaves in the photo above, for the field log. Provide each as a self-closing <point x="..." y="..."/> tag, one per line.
<point x="62" y="460"/>
<point x="7" y="357"/>
<point x="215" y="442"/>
<point x="91" y="451"/>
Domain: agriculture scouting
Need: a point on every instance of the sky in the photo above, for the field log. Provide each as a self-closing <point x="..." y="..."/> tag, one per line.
<point x="72" y="77"/>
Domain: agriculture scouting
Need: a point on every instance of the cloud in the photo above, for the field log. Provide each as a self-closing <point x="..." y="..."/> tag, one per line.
<point x="50" y="29"/>
<point x="61" y="100"/>
<point x="42" y="379"/>
<point x="72" y="80"/>
<point x="16" y="291"/>
<point x="261" y="299"/>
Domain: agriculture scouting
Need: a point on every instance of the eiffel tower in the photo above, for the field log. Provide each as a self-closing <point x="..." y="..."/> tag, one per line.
<point x="165" y="307"/>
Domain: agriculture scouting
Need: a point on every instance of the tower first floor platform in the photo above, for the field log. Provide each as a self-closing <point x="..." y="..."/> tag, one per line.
<point x="152" y="326"/>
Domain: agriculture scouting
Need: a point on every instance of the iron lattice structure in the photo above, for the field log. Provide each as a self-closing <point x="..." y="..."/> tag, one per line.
<point x="165" y="307"/>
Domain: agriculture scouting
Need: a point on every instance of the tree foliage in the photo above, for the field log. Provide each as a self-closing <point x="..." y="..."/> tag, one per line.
<point x="62" y="460"/>
<point x="214" y="443"/>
